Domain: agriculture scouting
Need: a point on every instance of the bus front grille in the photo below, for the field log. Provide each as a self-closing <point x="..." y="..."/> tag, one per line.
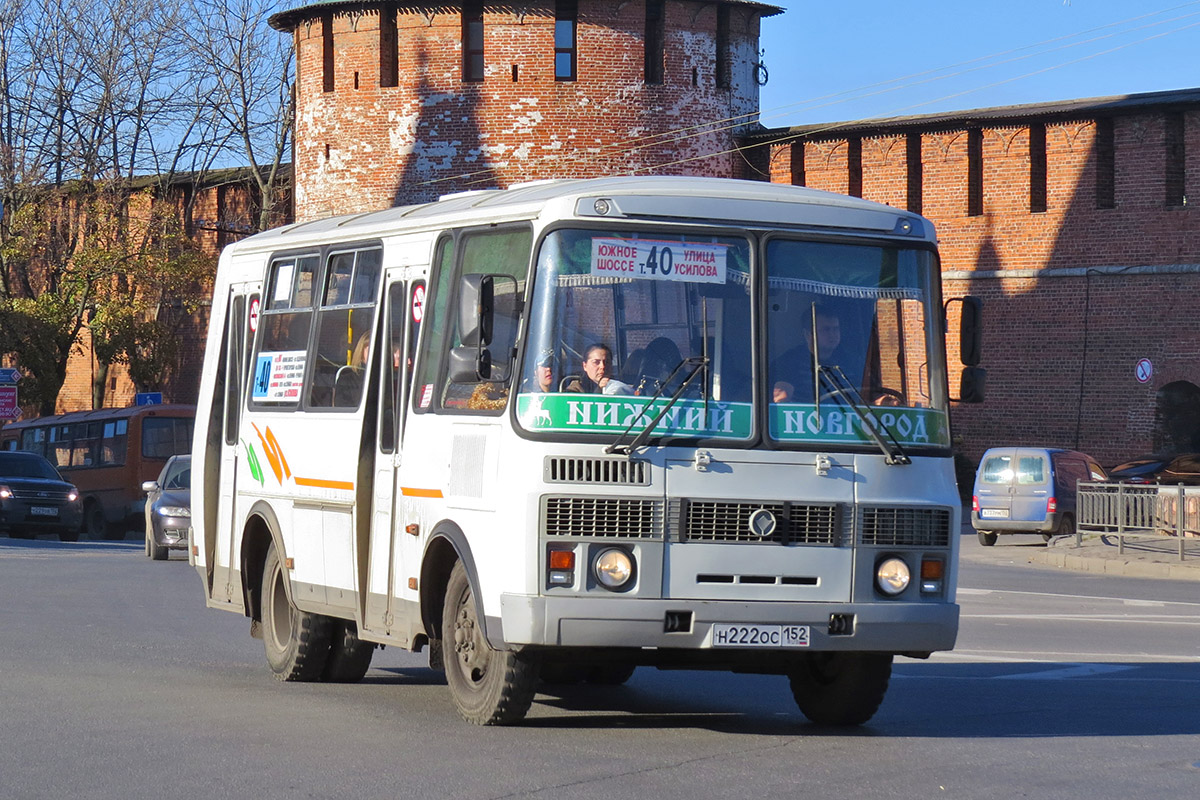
<point x="903" y="526"/>
<point x="608" y="517"/>
<point x="795" y="523"/>
<point x="610" y="471"/>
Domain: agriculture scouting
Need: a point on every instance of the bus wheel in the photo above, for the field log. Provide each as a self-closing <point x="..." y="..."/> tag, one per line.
<point x="94" y="522"/>
<point x="987" y="538"/>
<point x="489" y="687"/>
<point x="840" y="688"/>
<point x="297" y="642"/>
<point x="349" y="656"/>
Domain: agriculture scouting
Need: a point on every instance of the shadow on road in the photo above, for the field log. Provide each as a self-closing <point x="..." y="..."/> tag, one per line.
<point x="1033" y="700"/>
<point x="54" y="545"/>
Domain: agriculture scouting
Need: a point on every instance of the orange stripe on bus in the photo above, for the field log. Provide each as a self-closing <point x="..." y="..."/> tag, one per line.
<point x="320" y="484"/>
<point x="408" y="491"/>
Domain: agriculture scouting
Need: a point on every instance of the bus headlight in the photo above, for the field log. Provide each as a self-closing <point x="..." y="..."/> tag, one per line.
<point x="892" y="576"/>
<point x="613" y="568"/>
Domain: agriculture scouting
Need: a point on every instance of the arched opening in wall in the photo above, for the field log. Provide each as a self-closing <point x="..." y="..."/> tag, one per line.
<point x="1177" y="418"/>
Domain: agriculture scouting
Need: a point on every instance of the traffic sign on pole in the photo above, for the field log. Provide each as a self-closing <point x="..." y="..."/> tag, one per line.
<point x="9" y="375"/>
<point x="8" y="403"/>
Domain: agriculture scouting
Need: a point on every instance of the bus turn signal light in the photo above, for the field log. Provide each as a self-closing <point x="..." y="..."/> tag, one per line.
<point x="561" y="565"/>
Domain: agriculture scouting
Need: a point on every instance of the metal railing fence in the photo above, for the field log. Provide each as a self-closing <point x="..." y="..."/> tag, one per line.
<point x="1124" y="509"/>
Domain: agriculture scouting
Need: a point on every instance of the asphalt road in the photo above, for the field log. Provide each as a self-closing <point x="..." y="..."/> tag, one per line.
<point x="116" y="682"/>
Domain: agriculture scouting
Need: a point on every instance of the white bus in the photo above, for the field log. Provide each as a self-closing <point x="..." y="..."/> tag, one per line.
<point x="575" y="427"/>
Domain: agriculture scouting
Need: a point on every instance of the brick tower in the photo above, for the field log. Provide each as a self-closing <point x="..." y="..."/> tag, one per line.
<point x="400" y="102"/>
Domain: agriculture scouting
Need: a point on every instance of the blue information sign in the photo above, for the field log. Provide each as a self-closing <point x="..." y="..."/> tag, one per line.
<point x="148" y="399"/>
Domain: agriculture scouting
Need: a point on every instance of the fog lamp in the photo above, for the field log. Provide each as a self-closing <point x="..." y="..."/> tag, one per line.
<point x="892" y="576"/>
<point x="613" y="568"/>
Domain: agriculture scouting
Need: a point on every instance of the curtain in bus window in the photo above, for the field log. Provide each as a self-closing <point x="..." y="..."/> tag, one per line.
<point x="345" y="326"/>
<point x="285" y="322"/>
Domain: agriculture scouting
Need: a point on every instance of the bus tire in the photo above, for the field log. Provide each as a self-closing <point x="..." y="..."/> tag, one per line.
<point x="296" y="642"/>
<point x="94" y="522"/>
<point x="489" y="687"/>
<point x="987" y="538"/>
<point x="838" y="688"/>
<point x="349" y="657"/>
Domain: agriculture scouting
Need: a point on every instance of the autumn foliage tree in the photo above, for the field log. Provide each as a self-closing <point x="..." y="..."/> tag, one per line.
<point x="111" y="112"/>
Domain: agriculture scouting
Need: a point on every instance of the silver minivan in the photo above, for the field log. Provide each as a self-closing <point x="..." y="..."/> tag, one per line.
<point x="1029" y="490"/>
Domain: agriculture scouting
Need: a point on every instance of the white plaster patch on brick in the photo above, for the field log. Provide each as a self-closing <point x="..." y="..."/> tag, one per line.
<point x="522" y="152"/>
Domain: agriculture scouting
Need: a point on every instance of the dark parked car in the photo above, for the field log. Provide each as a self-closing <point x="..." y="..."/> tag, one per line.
<point x="1183" y="468"/>
<point x="169" y="508"/>
<point x="35" y="499"/>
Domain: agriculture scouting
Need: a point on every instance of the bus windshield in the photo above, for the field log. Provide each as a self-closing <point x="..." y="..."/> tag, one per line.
<point x="851" y="344"/>
<point x="619" y="321"/>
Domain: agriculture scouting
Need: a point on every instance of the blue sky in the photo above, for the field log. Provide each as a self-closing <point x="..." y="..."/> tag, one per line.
<point x="860" y="59"/>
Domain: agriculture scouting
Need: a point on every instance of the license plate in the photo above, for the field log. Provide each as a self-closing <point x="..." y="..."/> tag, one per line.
<point x="737" y="634"/>
<point x="43" y="511"/>
<point x="993" y="513"/>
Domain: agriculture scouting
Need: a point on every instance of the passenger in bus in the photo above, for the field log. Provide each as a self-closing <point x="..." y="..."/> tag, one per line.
<point x="793" y="371"/>
<point x="348" y="383"/>
<point x="648" y="370"/>
<point x="597" y="373"/>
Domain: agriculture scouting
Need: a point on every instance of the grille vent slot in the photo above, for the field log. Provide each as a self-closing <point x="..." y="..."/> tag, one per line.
<point x="901" y="526"/>
<point x="607" y="517"/>
<point x="717" y="521"/>
<point x="610" y="471"/>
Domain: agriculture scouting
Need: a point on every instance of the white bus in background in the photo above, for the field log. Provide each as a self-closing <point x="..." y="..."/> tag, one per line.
<point x="409" y="435"/>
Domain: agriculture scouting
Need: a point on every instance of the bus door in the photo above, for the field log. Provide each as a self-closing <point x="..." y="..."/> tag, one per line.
<point x="395" y="549"/>
<point x="241" y="323"/>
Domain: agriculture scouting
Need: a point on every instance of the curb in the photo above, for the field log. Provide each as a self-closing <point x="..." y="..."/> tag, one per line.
<point x="1129" y="568"/>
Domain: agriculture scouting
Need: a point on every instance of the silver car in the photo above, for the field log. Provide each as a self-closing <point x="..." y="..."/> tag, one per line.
<point x="168" y="508"/>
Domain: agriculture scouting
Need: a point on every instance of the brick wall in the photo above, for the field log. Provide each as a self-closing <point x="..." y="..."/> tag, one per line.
<point x="364" y="147"/>
<point x="1074" y="295"/>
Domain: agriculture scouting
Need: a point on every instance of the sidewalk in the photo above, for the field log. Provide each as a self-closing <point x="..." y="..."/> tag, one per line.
<point x="1144" y="556"/>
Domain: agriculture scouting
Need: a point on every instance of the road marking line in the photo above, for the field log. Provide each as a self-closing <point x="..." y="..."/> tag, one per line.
<point x="1073" y="671"/>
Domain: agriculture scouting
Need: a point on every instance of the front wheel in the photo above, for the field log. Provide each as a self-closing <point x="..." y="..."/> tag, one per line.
<point x="297" y="642"/>
<point x="840" y="688"/>
<point x="489" y="687"/>
<point x="987" y="538"/>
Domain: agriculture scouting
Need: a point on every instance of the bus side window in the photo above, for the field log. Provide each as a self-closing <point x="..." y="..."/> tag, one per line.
<point x="503" y="253"/>
<point x="344" y="328"/>
<point x="277" y="367"/>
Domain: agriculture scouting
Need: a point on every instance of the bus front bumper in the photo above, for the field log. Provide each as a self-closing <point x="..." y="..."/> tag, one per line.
<point x="689" y="624"/>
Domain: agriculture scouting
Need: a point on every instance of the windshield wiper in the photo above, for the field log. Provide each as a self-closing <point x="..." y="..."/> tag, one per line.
<point x="697" y="363"/>
<point x="841" y="386"/>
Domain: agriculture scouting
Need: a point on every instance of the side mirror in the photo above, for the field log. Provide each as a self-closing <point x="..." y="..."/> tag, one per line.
<point x="476" y="310"/>
<point x="971" y="386"/>
<point x="149" y="486"/>
<point x="970" y="332"/>
<point x="470" y="364"/>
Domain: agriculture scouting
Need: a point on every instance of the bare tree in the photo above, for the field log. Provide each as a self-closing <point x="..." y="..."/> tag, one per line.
<point x="250" y="69"/>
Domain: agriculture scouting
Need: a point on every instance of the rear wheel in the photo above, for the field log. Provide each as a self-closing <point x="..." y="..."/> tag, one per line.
<point x="1066" y="527"/>
<point x="987" y="538"/>
<point x="349" y="656"/>
<point x="297" y="642"/>
<point x="840" y="688"/>
<point x="489" y="687"/>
